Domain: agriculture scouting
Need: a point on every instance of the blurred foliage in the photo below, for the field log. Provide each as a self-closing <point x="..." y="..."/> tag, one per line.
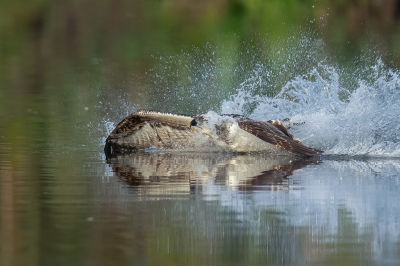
<point x="127" y="30"/>
<point x="176" y="55"/>
<point x="67" y="67"/>
<point x="42" y="42"/>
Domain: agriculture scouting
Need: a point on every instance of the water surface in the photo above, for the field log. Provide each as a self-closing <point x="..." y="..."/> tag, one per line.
<point x="70" y="71"/>
<point x="190" y="208"/>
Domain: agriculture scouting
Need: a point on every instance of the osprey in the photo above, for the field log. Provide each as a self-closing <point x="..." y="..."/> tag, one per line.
<point x="145" y="129"/>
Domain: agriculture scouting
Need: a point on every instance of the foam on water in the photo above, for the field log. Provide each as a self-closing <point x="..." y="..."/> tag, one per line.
<point x="367" y="122"/>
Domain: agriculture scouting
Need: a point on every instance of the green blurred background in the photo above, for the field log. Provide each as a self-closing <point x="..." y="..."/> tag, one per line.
<point x="67" y="68"/>
<point x="52" y="48"/>
<point x="89" y="61"/>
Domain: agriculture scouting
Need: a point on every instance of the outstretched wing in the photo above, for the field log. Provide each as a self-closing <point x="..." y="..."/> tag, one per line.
<point x="271" y="134"/>
<point x="144" y="129"/>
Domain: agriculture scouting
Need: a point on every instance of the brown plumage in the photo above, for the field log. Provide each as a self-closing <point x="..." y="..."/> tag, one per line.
<point x="145" y="129"/>
<point x="274" y="135"/>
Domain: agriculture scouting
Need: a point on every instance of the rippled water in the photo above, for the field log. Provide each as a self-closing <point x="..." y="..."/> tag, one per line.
<point x="340" y="208"/>
<point x="262" y="210"/>
<point x="64" y="203"/>
<point x="204" y="208"/>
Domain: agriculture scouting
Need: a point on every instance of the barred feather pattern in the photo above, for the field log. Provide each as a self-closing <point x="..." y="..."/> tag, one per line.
<point x="271" y="134"/>
<point x="145" y="129"/>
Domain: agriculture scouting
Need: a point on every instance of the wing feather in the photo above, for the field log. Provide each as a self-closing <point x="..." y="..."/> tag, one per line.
<point x="144" y="129"/>
<point x="271" y="134"/>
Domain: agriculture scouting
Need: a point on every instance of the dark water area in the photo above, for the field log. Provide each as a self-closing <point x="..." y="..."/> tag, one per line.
<point x="70" y="71"/>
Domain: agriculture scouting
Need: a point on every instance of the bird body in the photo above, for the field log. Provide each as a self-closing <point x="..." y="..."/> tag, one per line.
<point x="145" y="129"/>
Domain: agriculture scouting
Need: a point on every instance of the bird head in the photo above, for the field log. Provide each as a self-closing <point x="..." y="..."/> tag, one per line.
<point x="199" y="121"/>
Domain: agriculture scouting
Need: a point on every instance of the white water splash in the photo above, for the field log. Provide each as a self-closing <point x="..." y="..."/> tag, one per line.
<point x="367" y="122"/>
<point x="349" y="109"/>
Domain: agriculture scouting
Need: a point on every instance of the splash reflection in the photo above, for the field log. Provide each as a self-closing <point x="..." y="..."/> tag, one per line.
<point x="261" y="209"/>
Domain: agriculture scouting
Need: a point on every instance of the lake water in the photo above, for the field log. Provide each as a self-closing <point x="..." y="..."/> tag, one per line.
<point x="69" y="72"/>
<point x="196" y="209"/>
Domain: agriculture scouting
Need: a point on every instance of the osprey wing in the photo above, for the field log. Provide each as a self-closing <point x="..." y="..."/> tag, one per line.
<point x="144" y="129"/>
<point x="271" y="134"/>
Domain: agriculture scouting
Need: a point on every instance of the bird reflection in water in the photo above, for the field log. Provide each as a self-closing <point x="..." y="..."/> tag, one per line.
<point x="184" y="171"/>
